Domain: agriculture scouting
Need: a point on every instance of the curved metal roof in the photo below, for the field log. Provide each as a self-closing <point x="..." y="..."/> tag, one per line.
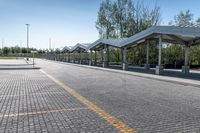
<point x="169" y="33"/>
<point x="191" y="35"/>
<point x="66" y="49"/>
<point x="57" y="50"/>
<point x="80" y="46"/>
<point x="111" y="41"/>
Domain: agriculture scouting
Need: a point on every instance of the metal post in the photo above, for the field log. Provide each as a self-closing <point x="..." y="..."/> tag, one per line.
<point x="27" y="40"/>
<point x="147" y="55"/>
<point x="2" y="46"/>
<point x="124" y="64"/>
<point x="73" y="57"/>
<point x="33" y="59"/>
<point x="68" y="57"/>
<point x="160" y="51"/>
<point x="95" y="57"/>
<point x="159" y="68"/>
<point x="90" y="60"/>
<point x="104" y="56"/>
<point x="186" y="67"/>
<point x="186" y="56"/>
<point x="50" y="44"/>
<point x="80" y="57"/>
<point x="107" y="56"/>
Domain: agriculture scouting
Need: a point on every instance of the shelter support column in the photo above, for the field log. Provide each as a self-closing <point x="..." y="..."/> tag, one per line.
<point x="68" y="57"/>
<point x="159" y="68"/>
<point x="90" y="58"/>
<point x="106" y="56"/>
<point x="95" y="57"/>
<point x="58" y="56"/>
<point x="124" y="63"/>
<point x="147" y="66"/>
<point x="80" y="57"/>
<point x="55" y="56"/>
<point x="73" y="57"/>
<point x="186" y="67"/>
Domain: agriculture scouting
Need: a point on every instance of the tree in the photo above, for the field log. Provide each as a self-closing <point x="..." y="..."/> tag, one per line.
<point x="176" y="51"/>
<point x="6" y="50"/>
<point x="198" y="21"/>
<point x="104" y="21"/>
<point x="184" y="18"/>
<point x="124" y="18"/>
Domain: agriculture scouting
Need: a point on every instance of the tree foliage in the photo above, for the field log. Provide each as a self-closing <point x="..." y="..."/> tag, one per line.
<point x="18" y="50"/>
<point x="186" y="19"/>
<point x="124" y="18"/>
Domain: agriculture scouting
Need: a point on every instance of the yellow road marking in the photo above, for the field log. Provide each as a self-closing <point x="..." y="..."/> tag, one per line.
<point x="42" y="112"/>
<point x="112" y="120"/>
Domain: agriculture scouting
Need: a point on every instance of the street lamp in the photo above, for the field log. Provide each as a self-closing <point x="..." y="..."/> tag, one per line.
<point x="27" y="40"/>
<point x="2" y="46"/>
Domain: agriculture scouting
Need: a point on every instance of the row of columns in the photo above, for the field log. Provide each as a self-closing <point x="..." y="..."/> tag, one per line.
<point x="159" y="68"/>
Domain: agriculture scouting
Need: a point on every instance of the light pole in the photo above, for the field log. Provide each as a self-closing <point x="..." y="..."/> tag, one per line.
<point x="2" y="46"/>
<point x="49" y="44"/>
<point x="27" y="40"/>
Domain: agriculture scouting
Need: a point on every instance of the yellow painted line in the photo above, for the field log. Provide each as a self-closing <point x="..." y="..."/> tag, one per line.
<point x="111" y="119"/>
<point x="42" y="112"/>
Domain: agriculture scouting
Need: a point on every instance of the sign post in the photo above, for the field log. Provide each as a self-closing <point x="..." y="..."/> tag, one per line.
<point x="33" y="52"/>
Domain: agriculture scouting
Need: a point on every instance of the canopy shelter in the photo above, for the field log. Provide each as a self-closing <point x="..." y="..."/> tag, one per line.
<point x="57" y="54"/>
<point x="100" y="43"/>
<point x="185" y="36"/>
<point x="104" y="44"/>
<point x="57" y="50"/>
<point x="80" y="48"/>
<point x="66" y="49"/>
<point x="66" y="52"/>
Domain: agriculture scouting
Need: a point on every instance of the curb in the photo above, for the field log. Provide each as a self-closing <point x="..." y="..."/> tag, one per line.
<point x="148" y="76"/>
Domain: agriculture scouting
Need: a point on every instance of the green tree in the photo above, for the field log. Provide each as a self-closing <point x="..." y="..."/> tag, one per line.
<point x="6" y="50"/>
<point x="198" y="21"/>
<point x="176" y="51"/>
<point x="122" y="19"/>
<point x="184" y="18"/>
<point x="104" y="21"/>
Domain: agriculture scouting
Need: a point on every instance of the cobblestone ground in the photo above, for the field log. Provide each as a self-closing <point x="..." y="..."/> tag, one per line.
<point x="147" y="105"/>
<point x="31" y="102"/>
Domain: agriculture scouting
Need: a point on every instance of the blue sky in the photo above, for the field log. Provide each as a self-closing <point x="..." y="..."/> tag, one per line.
<point x="66" y="22"/>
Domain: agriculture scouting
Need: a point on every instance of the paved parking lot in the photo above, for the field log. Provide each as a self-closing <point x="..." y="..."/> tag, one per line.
<point x="18" y="63"/>
<point x="32" y="102"/>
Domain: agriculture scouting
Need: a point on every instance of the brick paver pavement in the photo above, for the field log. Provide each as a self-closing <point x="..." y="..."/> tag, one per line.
<point x="31" y="102"/>
<point x="11" y="64"/>
<point x="145" y="104"/>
